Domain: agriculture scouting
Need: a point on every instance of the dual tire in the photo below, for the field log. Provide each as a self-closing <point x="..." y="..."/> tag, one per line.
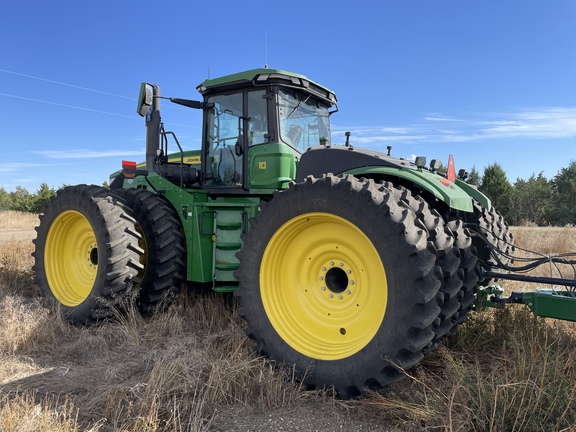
<point x="95" y="249"/>
<point x="338" y="278"/>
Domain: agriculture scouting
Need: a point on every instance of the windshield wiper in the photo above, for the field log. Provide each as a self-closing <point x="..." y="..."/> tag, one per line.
<point x="298" y="106"/>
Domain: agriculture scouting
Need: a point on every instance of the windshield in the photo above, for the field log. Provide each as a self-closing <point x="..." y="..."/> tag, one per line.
<point x="303" y="120"/>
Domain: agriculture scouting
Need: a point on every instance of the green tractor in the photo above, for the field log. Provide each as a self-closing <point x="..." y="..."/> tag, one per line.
<point x="349" y="264"/>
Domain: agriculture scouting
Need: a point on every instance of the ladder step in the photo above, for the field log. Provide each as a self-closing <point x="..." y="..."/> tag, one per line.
<point x="228" y="245"/>
<point x="228" y="226"/>
<point x="227" y="266"/>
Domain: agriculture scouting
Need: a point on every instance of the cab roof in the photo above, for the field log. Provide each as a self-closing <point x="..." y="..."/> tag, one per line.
<point x="264" y="75"/>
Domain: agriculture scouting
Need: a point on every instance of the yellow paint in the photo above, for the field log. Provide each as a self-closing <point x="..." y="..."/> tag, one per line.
<point x="323" y="286"/>
<point x="71" y="258"/>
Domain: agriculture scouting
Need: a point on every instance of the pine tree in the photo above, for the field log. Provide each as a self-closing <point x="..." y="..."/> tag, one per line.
<point x="563" y="209"/>
<point x="531" y="201"/>
<point x="496" y="186"/>
<point x="41" y="198"/>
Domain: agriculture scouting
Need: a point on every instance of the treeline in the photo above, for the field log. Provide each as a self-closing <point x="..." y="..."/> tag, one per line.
<point x="24" y="201"/>
<point x="537" y="200"/>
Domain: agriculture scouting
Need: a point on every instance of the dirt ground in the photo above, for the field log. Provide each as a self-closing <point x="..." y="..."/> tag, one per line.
<point x="309" y="417"/>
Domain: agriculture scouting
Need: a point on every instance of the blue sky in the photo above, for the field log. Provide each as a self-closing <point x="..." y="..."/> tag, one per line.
<point x="487" y="81"/>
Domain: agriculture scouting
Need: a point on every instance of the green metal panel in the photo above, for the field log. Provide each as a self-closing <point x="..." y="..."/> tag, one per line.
<point x="475" y="193"/>
<point x="198" y="216"/>
<point x="271" y="167"/>
<point x="453" y="195"/>
<point x="548" y="303"/>
<point x="551" y="303"/>
<point x="196" y="221"/>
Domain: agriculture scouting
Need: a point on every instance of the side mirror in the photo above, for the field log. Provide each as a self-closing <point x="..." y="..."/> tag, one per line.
<point x="145" y="99"/>
<point x="238" y="149"/>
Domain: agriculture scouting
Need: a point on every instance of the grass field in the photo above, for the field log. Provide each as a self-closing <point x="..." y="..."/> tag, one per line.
<point x="192" y="369"/>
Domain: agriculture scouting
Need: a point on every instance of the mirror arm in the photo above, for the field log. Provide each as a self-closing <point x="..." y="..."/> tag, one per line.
<point x="192" y="103"/>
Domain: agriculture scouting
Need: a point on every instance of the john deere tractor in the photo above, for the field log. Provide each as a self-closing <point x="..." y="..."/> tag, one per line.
<point x="349" y="263"/>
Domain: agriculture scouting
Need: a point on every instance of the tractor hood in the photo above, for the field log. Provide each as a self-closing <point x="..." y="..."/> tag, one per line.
<point x="373" y="164"/>
<point x="339" y="159"/>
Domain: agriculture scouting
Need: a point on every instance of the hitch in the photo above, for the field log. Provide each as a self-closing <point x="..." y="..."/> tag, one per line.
<point x="550" y="303"/>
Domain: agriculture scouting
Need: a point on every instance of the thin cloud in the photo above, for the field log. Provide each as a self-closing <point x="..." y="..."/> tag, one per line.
<point x="86" y="154"/>
<point x="440" y="118"/>
<point x="545" y="123"/>
<point x="16" y="166"/>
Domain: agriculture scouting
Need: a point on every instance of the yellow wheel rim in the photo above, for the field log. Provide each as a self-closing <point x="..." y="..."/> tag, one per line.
<point x="71" y="258"/>
<point x="323" y="286"/>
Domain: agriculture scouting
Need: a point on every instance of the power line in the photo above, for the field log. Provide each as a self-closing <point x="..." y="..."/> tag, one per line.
<point x="77" y="87"/>
<point x="67" y="106"/>
<point x="65" y="84"/>
<point x="87" y="109"/>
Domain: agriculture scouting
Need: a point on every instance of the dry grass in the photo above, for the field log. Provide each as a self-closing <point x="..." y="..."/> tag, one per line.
<point x="504" y="370"/>
<point x="546" y="241"/>
<point x="12" y="220"/>
<point x="190" y="368"/>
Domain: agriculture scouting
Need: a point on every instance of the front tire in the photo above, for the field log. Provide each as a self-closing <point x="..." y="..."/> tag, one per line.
<point x="338" y="279"/>
<point x="87" y="253"/>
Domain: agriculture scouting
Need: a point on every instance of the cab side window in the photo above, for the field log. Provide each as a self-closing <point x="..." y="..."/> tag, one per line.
<point x="224" y="134"/>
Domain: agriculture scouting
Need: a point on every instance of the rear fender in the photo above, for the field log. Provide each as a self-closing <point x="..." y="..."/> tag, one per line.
<point x="458" y="195"/>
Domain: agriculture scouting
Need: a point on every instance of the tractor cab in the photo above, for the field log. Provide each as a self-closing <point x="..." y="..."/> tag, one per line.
<point x="256" y="126"/>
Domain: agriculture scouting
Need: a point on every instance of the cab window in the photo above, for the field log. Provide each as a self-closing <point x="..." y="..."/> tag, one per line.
<point x="224" y="136"/>
<point x="303" y="120"/>
<point x="235" y="121"/>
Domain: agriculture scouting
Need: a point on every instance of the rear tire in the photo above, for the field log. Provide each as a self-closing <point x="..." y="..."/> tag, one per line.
<point x="87" y="253"/>
<point x="495" y="229"/>
<point x="449" y="260"/>
<point x="338" y="279"/>
<point x="163" y="245"/>
<point x="468" y="262"/>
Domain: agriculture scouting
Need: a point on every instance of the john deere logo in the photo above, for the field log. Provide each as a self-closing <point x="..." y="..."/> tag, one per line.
<point x="192" y="160"/>
<point x="262" y="165"/>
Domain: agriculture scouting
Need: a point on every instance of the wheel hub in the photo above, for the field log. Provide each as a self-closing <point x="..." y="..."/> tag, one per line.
<point x="335" y="279"/>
